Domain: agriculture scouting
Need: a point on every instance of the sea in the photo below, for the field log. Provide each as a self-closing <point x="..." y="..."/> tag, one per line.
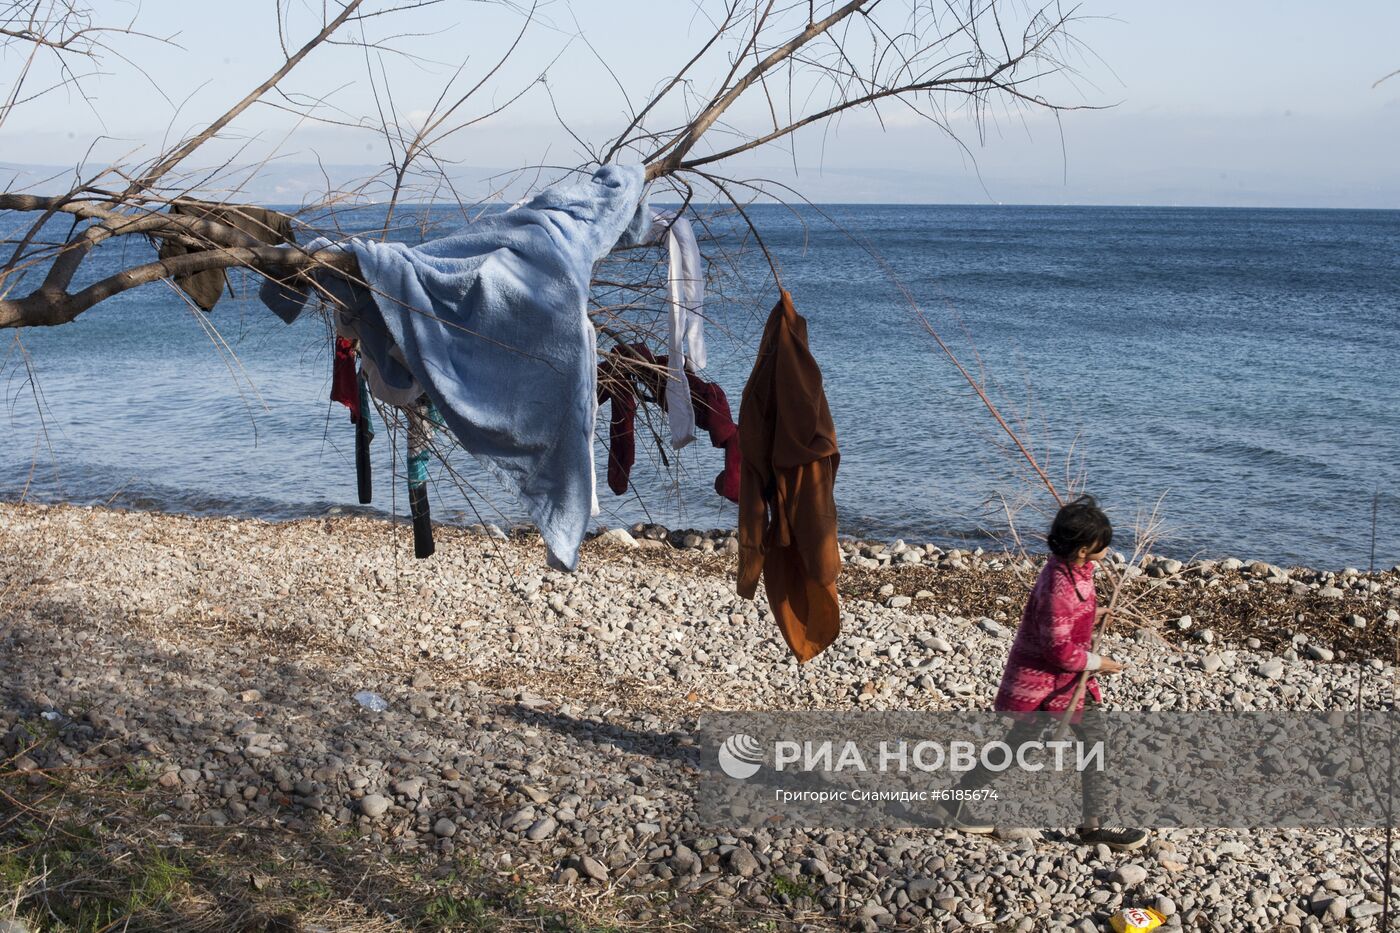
<point x="1225" y="381"/>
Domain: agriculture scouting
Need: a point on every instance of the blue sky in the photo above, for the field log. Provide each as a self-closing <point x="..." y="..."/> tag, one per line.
<point x="1239" y="103"/>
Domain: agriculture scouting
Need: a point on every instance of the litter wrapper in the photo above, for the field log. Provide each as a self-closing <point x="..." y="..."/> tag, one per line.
<point x="371" y="701"/>
<point x="1136" y="920"/>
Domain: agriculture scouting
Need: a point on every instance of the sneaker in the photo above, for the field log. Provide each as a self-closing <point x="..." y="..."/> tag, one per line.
<point x="959" y="819"/>
<point x="1119" y="840"/>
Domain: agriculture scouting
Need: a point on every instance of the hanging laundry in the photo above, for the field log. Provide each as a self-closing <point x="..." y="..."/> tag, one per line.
<point x="382" y="365"/>
<point x="345" y="385"/>
<point x="420" y="434"/>
<point x="349" y="389"/>
<point x="491" y="323"/>
<point x="207" y="287"/>
<point x="364" y="433"/>
<point x="711" y="406"/>
<point x="685" y="299"/>
<point x="616" y="388"/>
<point x="712" y="416"/>
<point x="787" y="510"/>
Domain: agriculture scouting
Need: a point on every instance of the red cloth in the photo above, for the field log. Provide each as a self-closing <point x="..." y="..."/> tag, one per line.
<point x="1052" y="644"/>
<point x="615" y="386"/>
<point x="345" y="388"/>
<point x="712" y="414"/>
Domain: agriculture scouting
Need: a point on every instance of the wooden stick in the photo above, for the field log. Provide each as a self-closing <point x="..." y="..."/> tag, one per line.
<point x="1100" y="627"/>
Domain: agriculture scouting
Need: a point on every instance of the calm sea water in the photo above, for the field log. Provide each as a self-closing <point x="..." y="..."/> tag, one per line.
<point x="1237" y="366"/>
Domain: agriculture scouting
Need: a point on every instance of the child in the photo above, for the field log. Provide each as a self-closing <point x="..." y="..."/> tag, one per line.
<point x="1050" y="653"/>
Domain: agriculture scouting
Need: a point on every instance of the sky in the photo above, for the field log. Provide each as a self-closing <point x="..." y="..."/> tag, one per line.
<point x="1245" y="103"/>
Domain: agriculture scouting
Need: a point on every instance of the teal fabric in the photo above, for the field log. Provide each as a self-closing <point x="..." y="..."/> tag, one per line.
<point x="418" y="468"/>
<point x="366" y="411"/>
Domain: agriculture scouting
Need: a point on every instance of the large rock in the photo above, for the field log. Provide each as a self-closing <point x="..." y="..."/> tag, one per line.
<point x="541" y="829"/>
<point x="684" y="861"/>
<point x="1231" y="850"/>
<point x="374" y="805"/>
<point x="1318" y="653"/>
<point x="590" y="867"/>
<point x="409" y="787"/>
<point x="919" y="888"/>
<point x="993" y="628"/>
<point x="1129" y="875"/>
<point x="1330" y="908"/>
<point x="619" y="537"/>
<point x="742" y="862"/>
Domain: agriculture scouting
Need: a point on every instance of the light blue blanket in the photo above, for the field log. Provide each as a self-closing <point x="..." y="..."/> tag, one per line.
<point x="492" y="323"/>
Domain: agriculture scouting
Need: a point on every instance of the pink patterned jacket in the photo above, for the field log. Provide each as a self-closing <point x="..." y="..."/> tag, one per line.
<point x="1052" y="644"/>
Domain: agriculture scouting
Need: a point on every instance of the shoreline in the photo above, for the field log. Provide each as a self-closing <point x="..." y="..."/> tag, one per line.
<point x="674" y="537"/>
<point x="533" y="718"/>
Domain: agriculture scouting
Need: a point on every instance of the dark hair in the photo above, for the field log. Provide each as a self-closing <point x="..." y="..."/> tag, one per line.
<point x="1079" y="524"/>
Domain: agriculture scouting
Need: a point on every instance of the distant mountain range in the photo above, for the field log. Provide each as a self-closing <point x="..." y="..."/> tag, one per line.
<point x="296" y="184"/>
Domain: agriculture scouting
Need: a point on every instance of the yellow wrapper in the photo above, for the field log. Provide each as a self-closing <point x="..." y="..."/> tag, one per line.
<point x="1136" y="920"/>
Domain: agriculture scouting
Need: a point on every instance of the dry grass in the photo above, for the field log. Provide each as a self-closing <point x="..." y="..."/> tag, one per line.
<point x="1265" y="611"/>
<point x="89" y="851"/>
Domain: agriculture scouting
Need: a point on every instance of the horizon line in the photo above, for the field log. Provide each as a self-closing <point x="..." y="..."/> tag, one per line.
<point x="819" y="204"/>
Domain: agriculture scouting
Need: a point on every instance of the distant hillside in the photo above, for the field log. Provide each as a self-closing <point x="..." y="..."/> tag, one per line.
<point x="298" y="183"/>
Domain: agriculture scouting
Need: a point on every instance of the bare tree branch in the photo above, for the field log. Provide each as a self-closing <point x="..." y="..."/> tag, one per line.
<point x="685" y="142"/>
<point x="806" y="64"/>
<point x="159" y="170"/>
<point x="44" y="309"/>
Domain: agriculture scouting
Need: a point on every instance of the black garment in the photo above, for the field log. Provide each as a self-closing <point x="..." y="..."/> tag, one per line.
<point x="207" y="287"/>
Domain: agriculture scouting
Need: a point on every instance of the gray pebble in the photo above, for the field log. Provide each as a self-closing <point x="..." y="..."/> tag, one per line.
<point x="374" y="805"/>
<point x="1129" y="875"/>
<point x="541" y="829"/>
<point x="590" y="867"/>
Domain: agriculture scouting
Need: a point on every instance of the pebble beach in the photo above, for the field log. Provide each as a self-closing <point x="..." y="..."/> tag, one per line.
<point x="538" y="726"/>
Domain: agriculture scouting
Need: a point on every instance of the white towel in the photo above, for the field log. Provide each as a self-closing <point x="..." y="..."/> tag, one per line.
<point x="685" y="295"/>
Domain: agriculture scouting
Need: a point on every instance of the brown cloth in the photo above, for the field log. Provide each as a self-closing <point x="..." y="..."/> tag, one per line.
<point x="787" y="511"/>
<point x="207" y="287"/>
